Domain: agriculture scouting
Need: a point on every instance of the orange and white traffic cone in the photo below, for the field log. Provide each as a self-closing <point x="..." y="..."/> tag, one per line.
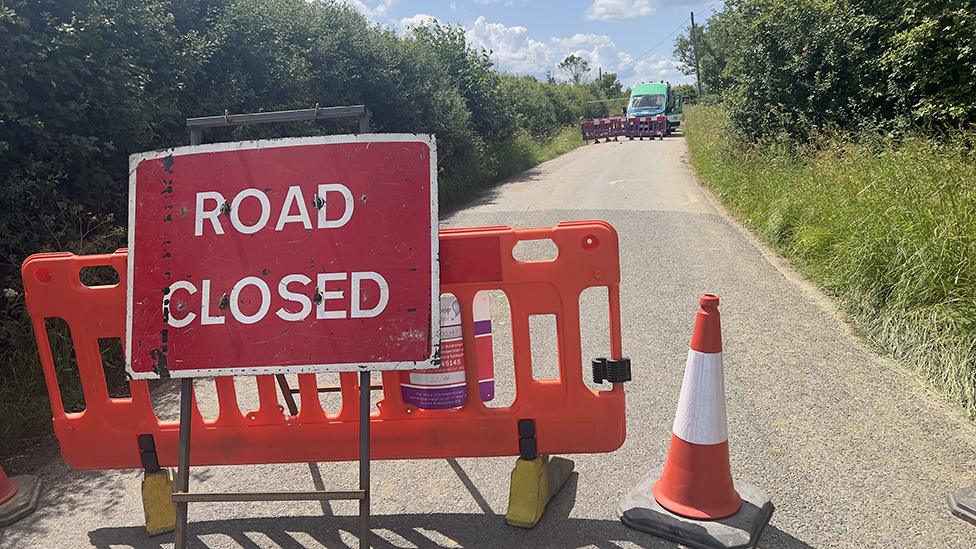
<point x="697" y="478"/>
<point x="694" y="500"/>
<point x="18" y="497"/>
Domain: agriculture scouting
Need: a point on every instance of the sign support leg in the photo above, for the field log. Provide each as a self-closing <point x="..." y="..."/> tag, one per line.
<point x="182" y="495"/>
<point x="364" y="393"/>
<point x="287" y="394"/>
<point x="183" y="470"/>
<point x="364" y="401"/>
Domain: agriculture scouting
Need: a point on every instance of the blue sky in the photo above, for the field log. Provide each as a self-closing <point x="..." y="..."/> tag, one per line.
<point x="532" y="37"/>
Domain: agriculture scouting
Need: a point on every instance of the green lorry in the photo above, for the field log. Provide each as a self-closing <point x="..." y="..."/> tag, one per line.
<point x="654" y="98"/>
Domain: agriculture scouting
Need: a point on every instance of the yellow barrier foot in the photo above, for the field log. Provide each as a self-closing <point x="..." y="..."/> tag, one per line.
<point x="157" y="502"/>
<point x="534" y="483"/>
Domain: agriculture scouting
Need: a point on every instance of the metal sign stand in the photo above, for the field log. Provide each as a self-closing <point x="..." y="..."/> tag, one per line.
<point x="182" y="496"/>
<point x="197" y="125"/>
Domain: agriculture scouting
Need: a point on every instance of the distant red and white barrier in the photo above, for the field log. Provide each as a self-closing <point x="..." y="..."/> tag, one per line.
<point x="624" y="126"/>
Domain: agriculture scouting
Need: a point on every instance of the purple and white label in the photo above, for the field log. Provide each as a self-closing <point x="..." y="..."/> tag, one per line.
<point x="444" y="387"/>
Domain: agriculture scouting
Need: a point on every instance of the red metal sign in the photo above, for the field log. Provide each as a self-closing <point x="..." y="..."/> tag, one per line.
<point x="294" y="255"/>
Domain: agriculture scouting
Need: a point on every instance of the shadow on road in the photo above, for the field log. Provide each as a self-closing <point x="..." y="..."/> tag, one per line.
<point x="487" y="529"/>
<point x="433" y="530"/>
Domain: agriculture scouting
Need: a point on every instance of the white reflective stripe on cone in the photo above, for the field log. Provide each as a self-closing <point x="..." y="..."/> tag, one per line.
<point x="700" y="418"/>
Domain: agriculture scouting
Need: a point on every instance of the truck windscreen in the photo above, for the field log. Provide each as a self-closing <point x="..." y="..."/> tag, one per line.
<point x="646" y="102"/>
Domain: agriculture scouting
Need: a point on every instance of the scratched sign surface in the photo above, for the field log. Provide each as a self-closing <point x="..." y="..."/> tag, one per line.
<point x="295" y="255"/>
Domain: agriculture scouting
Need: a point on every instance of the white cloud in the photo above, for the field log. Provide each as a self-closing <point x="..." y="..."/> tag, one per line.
<point x="379" y="9"/>
<point x="418" y="20"/>
<point x="656" y="68"/>
<point x="512" y="48"/>
<point x="598" y="50"/>
<point x="618" y="10"/>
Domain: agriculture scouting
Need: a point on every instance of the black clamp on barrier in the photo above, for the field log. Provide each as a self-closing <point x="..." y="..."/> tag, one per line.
<point x="528" y="448"/>
<point x="147" y="453"/>
<point x="614" y="371"/>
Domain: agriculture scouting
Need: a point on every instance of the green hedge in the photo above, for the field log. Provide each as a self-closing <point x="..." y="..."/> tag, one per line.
<point x="800" y="67"/>
<point x="85" y="83"/>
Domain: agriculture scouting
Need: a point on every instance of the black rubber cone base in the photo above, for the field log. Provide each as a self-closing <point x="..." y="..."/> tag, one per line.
<point x="24" y="501"/>
<point x="640" y="511"/>
<point x="962" y="502"/>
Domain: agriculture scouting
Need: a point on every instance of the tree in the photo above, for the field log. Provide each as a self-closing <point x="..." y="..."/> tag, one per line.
<point x="805" y="65"/>
<point x="684" y="53"/>
<point x="575" y="68"/>
<point x="718" y="42"/>
<point x="688" y="91"/>
<point x="472" y="73"/>
<point x="932" y="62"/>
<point x="796" y="67"/>
<point x="608" y="85"/>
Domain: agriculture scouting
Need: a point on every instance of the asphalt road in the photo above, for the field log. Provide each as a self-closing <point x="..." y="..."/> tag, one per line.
<point x="854" y="451"/>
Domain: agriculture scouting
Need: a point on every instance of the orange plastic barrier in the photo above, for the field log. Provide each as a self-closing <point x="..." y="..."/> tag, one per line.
<point x="569" y="417"/>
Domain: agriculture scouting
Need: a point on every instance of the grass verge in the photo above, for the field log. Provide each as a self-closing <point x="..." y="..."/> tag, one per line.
<point x="887" y="228"/>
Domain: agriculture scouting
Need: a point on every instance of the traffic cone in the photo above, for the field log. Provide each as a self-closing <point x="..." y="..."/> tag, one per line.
<point x="694" y="500"/>
<point x="18" y="497"/>
<point x="697" y="478"/>
<point x="7" y="489"/>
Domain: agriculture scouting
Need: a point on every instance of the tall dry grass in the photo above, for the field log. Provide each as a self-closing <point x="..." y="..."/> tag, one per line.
<point x="886" y="227"/>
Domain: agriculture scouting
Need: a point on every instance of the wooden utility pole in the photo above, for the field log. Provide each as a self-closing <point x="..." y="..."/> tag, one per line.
<point x="694" y="49"/>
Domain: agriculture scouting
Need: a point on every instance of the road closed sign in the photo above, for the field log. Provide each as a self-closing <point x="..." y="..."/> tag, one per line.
<point x="295" y="255"/>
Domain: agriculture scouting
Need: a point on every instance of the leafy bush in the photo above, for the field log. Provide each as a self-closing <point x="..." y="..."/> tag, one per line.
<point x="800" y="67"/>
<point x="85" y="83"/>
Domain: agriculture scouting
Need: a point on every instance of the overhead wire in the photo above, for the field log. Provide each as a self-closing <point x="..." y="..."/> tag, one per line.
<point x="669" y="35"/>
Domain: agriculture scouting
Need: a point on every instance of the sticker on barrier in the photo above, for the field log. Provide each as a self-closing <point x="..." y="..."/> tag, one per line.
<point x="568" y="416"/>
<point x="445" y="387"/>
<point x="283" y="256"/>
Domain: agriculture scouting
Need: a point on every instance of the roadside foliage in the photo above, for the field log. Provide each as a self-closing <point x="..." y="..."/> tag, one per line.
<point x="796" y="68"/>
<point x="85" y="83"/>
<point x="845" y="138"/>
